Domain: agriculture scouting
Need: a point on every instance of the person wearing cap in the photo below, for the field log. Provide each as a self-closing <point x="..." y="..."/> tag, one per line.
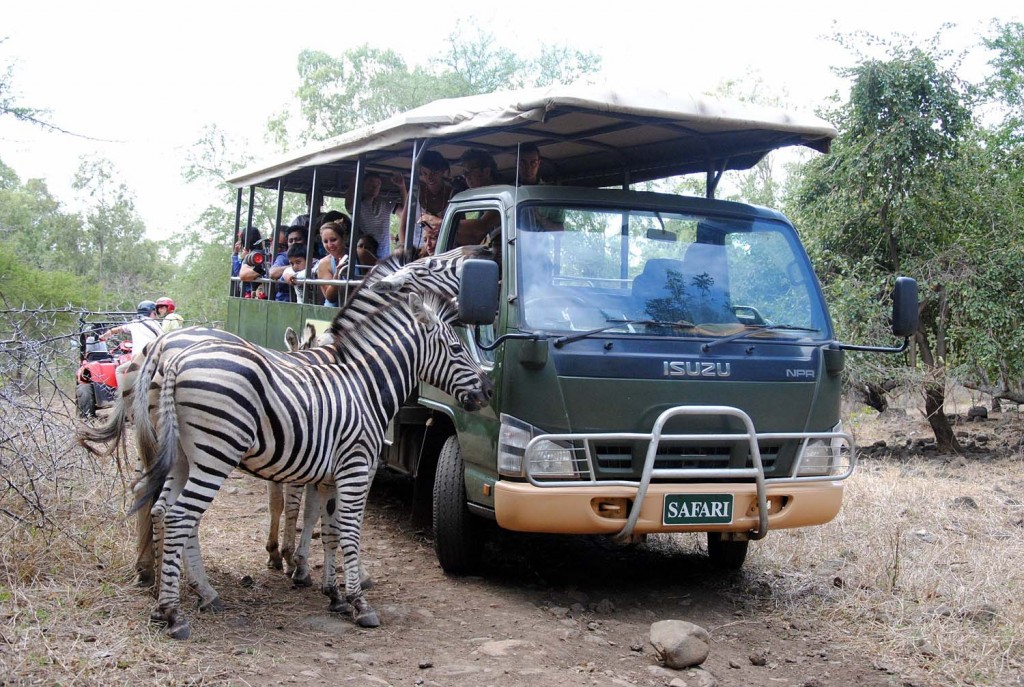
<point x="435" y="192"/>
<point x="143" y="329"/>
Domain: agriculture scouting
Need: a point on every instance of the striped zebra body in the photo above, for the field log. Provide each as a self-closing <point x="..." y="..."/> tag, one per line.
<point x="224" y="405"/>
<point x="143" y="378"/>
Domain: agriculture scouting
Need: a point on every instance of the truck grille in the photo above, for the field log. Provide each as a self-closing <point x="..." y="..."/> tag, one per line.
<point x="620" y="459"/>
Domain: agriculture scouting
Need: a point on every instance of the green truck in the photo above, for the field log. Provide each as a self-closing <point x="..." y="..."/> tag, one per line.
<point x="662" y="362"/>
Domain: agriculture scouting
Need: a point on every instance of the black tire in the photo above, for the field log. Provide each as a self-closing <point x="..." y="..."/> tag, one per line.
<point x="86" y="400"/>
<point x="456" y="540"/>
<point x="726" y="554"/>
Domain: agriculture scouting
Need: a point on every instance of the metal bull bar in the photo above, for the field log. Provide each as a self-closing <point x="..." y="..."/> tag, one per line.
<point x="655" y="437"/>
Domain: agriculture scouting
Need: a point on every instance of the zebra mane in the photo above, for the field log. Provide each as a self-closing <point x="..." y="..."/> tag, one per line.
<point x="354" y="323"/>
<point x="377" y="292"/>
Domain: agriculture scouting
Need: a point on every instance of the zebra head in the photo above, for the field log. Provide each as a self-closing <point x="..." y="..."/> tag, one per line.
<point x="438" y="274"/>
<point x="446" y="363"/>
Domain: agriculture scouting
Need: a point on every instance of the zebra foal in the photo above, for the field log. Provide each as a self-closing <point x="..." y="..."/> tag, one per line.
<point x="224" y="405"/>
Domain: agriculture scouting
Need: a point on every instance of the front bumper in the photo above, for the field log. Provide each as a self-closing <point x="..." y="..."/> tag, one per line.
<point x="587" y="505"/>
<point x="522" y="507"/>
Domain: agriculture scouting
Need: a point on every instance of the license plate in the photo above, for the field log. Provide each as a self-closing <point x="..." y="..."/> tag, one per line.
<point x="697" y="509"/>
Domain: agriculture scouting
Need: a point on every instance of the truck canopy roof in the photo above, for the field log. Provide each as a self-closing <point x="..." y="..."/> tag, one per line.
<point x="588" y="136"/>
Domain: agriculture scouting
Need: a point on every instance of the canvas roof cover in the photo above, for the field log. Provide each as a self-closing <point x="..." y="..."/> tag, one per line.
<point x="588" y="135"/>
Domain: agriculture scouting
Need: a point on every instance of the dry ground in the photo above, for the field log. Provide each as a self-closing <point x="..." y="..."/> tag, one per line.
<point x="916" y="583"/>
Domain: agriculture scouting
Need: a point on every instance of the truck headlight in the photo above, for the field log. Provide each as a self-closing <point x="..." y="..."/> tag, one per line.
<point x="544" y="459"/>
<point x="512" y="440"/>
<point x="550" y="459"/>
<point x="822" y="457"/>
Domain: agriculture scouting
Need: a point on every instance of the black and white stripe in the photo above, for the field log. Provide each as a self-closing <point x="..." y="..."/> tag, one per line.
<point x="226" y="404"/>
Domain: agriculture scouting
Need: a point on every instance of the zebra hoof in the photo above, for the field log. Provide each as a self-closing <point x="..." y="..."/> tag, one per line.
<point x="363" y="613"/>
<point x="368" y="619"/>
<point x="157" y="617"/>
<point x="215" y="605"/>
<point x="179" y="630"/>
<point x="366" y="583"/>
<point x="339" y="605"/>
<point x="302" y="581"/>
<point x="275" y="563"/>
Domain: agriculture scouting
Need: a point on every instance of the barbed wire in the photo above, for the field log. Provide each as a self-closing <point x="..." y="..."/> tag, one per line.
<point x="40" y="352"/>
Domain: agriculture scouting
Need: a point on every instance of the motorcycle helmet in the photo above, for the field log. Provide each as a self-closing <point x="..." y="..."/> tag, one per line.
<point x="145" y="308"/>
<point x="165" y="301"/>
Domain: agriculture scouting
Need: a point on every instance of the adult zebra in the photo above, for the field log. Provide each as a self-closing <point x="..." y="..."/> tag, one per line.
<point x="142" y="379"/>
<point x="225" y="405"/>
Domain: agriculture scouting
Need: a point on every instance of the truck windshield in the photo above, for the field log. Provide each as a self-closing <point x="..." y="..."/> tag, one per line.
<point x="649" y="273"/>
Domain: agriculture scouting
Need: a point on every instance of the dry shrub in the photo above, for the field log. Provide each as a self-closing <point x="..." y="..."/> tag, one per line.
<point x="923" y="562"/>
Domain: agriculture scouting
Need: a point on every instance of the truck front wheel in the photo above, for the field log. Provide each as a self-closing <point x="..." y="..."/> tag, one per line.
<point x="726" y="554"/>
<point x="455" y="529"/>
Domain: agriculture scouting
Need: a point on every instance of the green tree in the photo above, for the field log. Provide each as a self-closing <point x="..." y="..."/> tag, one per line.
<point x="114" y="252"/>
<point x="366" y="84"/>
<point x="885" y="202"/>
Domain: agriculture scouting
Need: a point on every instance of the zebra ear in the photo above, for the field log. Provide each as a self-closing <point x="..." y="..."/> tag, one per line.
<point x="423" y="314"/>
<point x="392" y="282"/>
<point x="308" y="336"/>
<point x="291" y="340"/>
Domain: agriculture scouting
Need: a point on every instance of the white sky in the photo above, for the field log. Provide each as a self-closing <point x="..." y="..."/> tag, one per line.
<point x="147" y="80"/>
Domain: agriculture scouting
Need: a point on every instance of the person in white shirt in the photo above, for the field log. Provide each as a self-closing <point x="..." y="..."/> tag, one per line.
<point x="143" y="329"/>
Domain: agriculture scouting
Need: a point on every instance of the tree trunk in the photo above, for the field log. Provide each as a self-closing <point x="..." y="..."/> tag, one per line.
<point x="934" y="401"/>
<point x="873" y="396"/>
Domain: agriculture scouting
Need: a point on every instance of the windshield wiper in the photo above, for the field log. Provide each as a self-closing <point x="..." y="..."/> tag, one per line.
<point x="563" y="340"/>
<point x="751" y="328"/>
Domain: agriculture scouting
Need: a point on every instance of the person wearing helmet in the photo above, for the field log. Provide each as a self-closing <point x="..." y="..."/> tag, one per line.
<point x="170" y="320"/>
<point x="143" y="329"/>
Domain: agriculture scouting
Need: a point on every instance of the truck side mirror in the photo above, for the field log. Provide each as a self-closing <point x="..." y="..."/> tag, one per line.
<point x="478" y="292"/>
<point x="904" y="307"/>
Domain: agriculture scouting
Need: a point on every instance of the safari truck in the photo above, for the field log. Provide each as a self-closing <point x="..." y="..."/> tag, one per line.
<point x="662" y="363"/>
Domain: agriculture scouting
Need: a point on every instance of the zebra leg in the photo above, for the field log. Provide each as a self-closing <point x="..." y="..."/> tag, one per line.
<point x="312" y="510"/>
<point x="209" y="599"/>
<point x="145" y="562"/>
<point x="351" y="491"/>
<point x="275" y="496"/>
<point x="329" y="538"/>
<point x="293" y="500"/>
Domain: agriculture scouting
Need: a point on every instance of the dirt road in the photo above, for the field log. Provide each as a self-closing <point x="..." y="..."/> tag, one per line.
<point x="545" y="611"/>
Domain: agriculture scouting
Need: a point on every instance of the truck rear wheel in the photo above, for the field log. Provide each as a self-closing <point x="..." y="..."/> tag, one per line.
<point x="726" y="554"/>
<point x="86" y="400"/>
<point x="455" y="528"/>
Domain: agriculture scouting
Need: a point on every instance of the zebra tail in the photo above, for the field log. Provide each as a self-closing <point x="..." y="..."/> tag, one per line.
<point x="108" y="433"/>
<point x="145" y="434"/>
<point x="166" y="449"/>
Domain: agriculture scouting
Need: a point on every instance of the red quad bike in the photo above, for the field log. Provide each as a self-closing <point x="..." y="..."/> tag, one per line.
<point x="97" y="383"/>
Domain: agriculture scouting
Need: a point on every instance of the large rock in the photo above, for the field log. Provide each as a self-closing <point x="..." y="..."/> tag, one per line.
<point x="680" y="644"/>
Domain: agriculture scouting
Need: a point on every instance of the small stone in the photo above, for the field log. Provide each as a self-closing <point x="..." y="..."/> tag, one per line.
<point x="558" y="611"/>
<point x="735" y="664"/>
<point x="677" y="682"/>
<point x="759" y="658"/>
<point x="680" y="644"/>
<point x="247" y="581"/>
<point x="965" y="502"/>
<point x="926" y="536"/>
<point x="983" y="613"/>
<point x="426" y="664"/>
